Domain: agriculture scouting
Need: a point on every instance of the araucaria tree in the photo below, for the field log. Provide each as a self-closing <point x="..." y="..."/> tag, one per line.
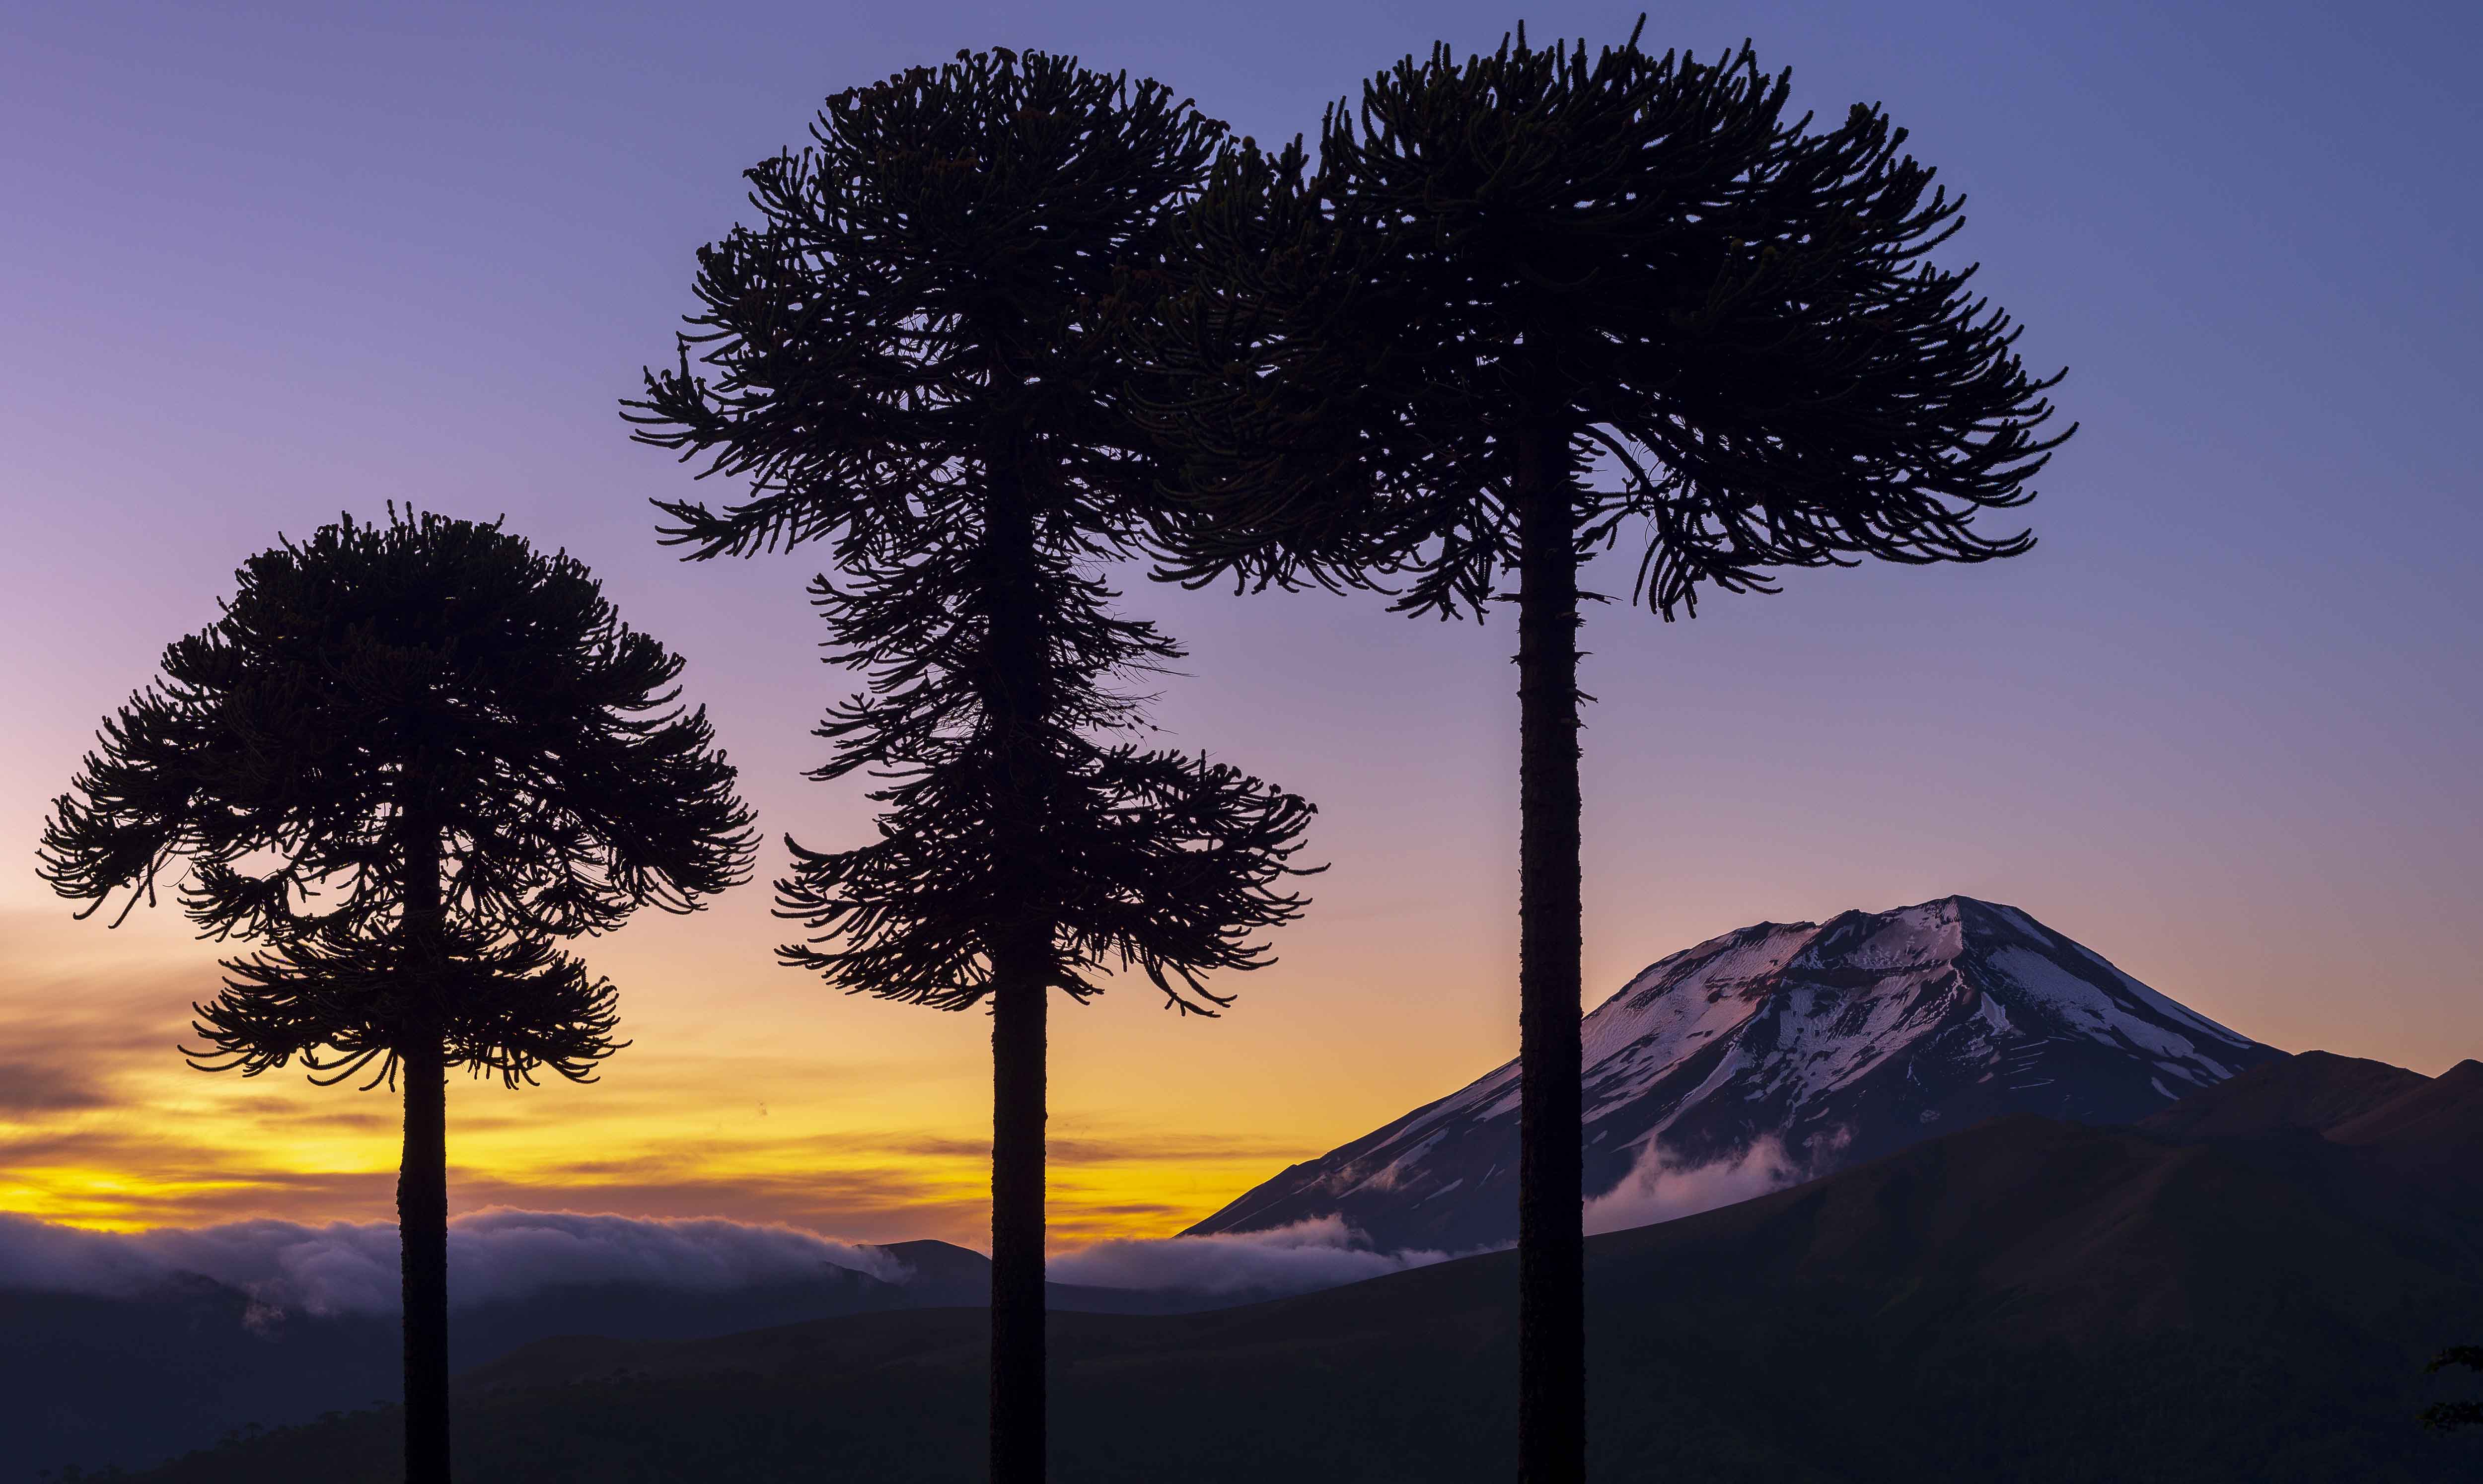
<point x="407" y="759"/>
<point x="912" y="360"/>
<point x="1527" y="304"/>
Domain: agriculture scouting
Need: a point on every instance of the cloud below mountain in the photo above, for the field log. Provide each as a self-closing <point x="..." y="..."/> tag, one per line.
<point x="503" y="1254"/>
<point x="498" y="1254"/>
<point x="1320" y="1254"/>
<point x="1659" y="1188"/>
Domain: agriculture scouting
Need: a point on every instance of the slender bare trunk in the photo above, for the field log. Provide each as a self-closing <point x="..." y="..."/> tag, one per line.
<point x="1022" y="974"/>
<point x="422" y="1186"/>
<point x="1551" y="1244"/>
<point x="1018" y="1050"/>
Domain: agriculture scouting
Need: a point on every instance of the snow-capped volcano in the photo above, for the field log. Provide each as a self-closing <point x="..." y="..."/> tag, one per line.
<point x="1825" y="1044"/>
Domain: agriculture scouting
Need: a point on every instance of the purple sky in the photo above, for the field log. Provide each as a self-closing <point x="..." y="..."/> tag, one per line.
<point x="265" y="263"/>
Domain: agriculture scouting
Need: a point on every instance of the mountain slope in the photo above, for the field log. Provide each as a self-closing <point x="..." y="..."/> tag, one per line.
<point x="1840" y="1042"/>
<point x="2027" y="1300"/>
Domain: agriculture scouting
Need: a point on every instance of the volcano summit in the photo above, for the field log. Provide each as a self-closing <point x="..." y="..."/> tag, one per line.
<point x="1818" y="1045"/>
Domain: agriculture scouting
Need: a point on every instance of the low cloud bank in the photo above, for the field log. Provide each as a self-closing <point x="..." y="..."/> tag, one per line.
<point x="494" y="1255"/>
<point x="1322" y="1253"/>
<point x="500" y="1254"/>
<point x="1660" y="1188"/>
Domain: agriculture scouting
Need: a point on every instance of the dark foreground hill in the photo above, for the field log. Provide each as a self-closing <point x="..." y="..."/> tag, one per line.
<point x="2025" y="1300"/>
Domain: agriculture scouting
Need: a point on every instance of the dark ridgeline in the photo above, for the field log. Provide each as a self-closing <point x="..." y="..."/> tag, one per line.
<point x="1528" y="298"/>
<point x="913" y="361"/>
<point x="406" y="758"/>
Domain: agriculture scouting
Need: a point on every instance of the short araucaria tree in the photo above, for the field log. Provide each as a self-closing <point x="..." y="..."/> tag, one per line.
<point x="1528" y="303"/>
<point x="407" y="759"/>
<point x="913" y="359"/>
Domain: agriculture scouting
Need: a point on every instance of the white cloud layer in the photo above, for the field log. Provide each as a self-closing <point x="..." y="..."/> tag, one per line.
<point x="492" y="1254"/>
<point x="500" y="1254"/>
<point x="1322" y="1253"/>
<point x="1658" y="1189"/>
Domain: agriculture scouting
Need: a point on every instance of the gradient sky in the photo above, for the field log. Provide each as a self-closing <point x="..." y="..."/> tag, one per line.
<point x="260" y="264"/>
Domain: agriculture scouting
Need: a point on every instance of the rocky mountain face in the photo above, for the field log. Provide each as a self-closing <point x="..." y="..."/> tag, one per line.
<point x="1791" y="1049"/>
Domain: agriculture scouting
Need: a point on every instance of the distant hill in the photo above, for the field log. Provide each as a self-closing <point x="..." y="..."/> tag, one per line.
<point x="2242" y="1293"/>
<point x="1830" y="1043"/>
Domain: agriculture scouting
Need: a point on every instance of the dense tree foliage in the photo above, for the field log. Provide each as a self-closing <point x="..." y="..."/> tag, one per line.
<point x="912" y="359"/>
<point x="1520" y="304"/>
<point x="408" y="759"/>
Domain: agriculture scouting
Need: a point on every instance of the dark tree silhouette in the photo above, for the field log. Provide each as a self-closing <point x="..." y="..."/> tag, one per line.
<point x="1528" y="299"/>
<point x="406" y="758"/>
<point x="2451" y="1415"/>
<point x="914" y="363"/>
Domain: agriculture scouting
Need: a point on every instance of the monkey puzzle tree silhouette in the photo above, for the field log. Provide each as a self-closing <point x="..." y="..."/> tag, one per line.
<point x="1522" y="301"/>
<point x="915" y="363"/>
<point x="406" y="758"/>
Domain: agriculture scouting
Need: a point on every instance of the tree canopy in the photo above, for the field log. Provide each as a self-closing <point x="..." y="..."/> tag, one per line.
<point x="914" y="360"/>
<point x="1713" y="319"/>
<point x="424" y="671"/>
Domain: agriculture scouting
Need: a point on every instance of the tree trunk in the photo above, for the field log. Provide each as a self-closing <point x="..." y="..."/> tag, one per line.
<point x="422" y="1184"/>
<point x="1551" y="1244"/>
<point x="1020" y="943"/>
<point x="1019" y="998"/>
<point x="422" y="1226"/>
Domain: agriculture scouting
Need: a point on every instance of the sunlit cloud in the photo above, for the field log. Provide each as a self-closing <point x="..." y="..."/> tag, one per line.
<point x="35" y="1087"/>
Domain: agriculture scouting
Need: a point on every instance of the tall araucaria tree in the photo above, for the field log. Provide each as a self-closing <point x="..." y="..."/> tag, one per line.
<point x="913" y="360"/>
<point x="407" y="759"/>
<point x="1525" y="302"/>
